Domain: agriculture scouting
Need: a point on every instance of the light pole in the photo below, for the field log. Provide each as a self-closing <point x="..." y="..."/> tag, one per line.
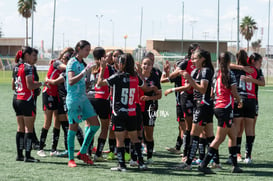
<point x="238" y="24"/>
<point x="53" y="32"/>
<point x="231" y="29"/>
<point x="206" y="34"/>
<point x="267" y="50"/>
<point x="192" y="22"/>
<point x="125" y="38"/>
<point x="113" y="32"/>
<point x="182" y="29"/>
<point x="99" y="18"/>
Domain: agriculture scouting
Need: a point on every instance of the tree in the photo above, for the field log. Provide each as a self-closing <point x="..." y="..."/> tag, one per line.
<point x="247" y="28"/>
<point x="25" y="9"/>
<point x="256" y="45"/>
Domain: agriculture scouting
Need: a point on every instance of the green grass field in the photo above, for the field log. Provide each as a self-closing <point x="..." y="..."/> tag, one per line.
<point x="52" y="168"/>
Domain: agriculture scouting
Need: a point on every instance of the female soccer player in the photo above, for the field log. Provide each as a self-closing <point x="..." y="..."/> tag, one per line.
<point x="125" y="84"/>
<point x="179" y="114"/>
<point x="78" y="105"/>
<point x="99" y="98"/>
<point x="225" y="90"/>
<point x="24" y="106"/>
<point x="201" y="81"/>
<point x="50" y="108"/>
<point x="148" y="100"/>
<point x="65" y="55"/>
<point x="186" y="96"/>
<point x="255" y="60"/>
<point x="246" y="114"/>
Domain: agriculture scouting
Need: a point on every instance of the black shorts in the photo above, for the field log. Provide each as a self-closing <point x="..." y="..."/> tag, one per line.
<point x="179" y="114"/>
<point x="50" y="102"/>
<point x="224" y="116"/>
<point x="247" y="111"/>
<point x="203" y="114"/>
<point x="186" y="101"/>
<point x="149" y="115"/>
<point x="139" y="118"/>
<point x="102" y="107"/>
<point x="257" y="108"/>
<point x="122" y="122"/>
<point x="62" y="107"/>
<point x="24" y="108"/>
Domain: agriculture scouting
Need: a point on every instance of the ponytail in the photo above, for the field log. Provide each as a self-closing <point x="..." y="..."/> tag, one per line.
<point x="224" y="61"/>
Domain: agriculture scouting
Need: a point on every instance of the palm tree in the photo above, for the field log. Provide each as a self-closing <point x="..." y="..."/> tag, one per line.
<point x="25" y="9"/>
<point x="247" y="28"/>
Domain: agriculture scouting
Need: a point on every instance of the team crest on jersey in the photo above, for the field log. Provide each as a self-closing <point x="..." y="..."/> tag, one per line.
<point x="125" y="80"/>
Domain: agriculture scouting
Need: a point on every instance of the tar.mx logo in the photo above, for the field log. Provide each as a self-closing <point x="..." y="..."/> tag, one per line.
<point x="158" y="113"/>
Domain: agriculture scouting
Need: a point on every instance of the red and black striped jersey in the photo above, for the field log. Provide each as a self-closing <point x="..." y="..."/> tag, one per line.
<point x="124" y="92"/>
<point x="93" y="91"/>
<point x="20" y="72"/>
<point x="187" y="65"/>
<point x="246" y="89"/>
<point x="53" y="73"/>
<point x="223" y="95"/>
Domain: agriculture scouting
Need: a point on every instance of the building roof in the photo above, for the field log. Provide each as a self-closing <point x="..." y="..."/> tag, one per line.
<point x="12" y="41"/>
<point x="179" y="40"/>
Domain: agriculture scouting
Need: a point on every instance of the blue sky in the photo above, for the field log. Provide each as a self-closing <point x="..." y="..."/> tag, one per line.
<point x="76" y="20"/>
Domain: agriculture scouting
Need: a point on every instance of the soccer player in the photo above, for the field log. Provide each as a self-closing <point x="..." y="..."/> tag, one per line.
<point x="149" y="101"/>
<point x="246" y="114"/>
<point x="201" y="81"/>
<point x="23" y="83"/>
<point x="78" y="105"/>
<point x="50" y="108"/>
<point x="179" y="114"/>
<point x="99" y="98"/>
<point x="125" y="84"/>
<point x="225" y="90"/>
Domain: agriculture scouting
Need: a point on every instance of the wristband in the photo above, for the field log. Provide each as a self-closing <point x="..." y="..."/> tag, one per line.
<point x="164" y="73"/>
<point x="173" y="89"/>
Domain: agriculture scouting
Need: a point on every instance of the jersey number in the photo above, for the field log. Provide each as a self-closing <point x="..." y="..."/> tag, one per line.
<point x="124" y="96"/>
<point x="18" y="84"/>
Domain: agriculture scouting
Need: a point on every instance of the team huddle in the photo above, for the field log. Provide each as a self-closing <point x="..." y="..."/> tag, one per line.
<point x="120" y="97"/>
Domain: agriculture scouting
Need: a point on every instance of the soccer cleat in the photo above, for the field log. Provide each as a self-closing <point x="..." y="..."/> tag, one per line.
<point x="196" y="162"/>
<point x="205" y="170"/>
<point x="72" y="163"/>
<point x="173" y="150"/>
<point x="31" y="159"/>
<point x="216" y="166"/>
<point x="121" y="169"/>
<point x="248" y="160"/>
<point x="236" y="170"/>
<point x="133" y="163"/>
<point x="239" y="158"/>
<point x="20" y="158"/>
<point x="41" y="153"/>
<point x="150" y="161"/>
<point x="127" y="157"/>
<point x="99" y="159"/>
<point x="63" y="154"/>
<point x="85" y="158"/>
<point x="54" y="153"/>
<point x="111" y="156"/>
<point x="142" y="167"/>
<point x="183" y="166"/>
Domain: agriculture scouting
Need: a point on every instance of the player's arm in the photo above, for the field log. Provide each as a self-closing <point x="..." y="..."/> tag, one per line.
<point x="57" y="81"/>
<point x="177" y="89"/>
<point x="236" y="95"/>
<point x="101" y="80"/>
